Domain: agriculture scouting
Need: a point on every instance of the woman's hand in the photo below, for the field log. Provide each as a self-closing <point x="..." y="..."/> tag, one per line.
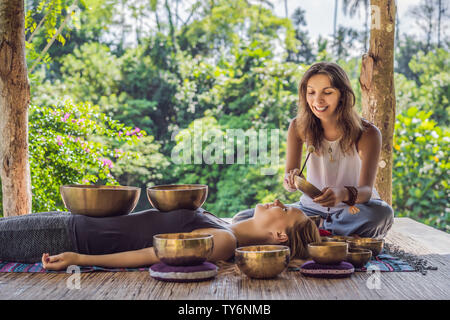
<point x="331" y="197"/>
<point x="59" y="261"/>
<point x="288" y="183"/>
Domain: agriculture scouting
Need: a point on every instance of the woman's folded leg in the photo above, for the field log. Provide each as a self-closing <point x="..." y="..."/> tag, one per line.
<point x="25" y="238"/>
<point x="373" y="220"/>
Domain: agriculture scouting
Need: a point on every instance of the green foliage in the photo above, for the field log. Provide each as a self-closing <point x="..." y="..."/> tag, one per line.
<point x="433" y="88"/>
<point x="91" y="71"/>
<point x="72" y="143"/>
<point x="229" y="65"/>
<point x="421" y="169"/>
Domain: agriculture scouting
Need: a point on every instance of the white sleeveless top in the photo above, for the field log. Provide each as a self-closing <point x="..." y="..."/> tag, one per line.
<point x="343" y="171"/>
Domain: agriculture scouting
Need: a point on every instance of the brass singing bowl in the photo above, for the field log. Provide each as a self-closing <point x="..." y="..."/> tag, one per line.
<point x="183" y="249"/>
<point x="99" y="201"/>
<point x="263" y="261"/>
<point x="328" y="252"/>
<point x="358" y="257"/>
<point x="374" y="245"/>
<point x="342" y="238"/>
<point x="316" y="219"/>
<point x="306" y="187"/>
<point x="177" y="196"/>
<point x="326" y="239"/>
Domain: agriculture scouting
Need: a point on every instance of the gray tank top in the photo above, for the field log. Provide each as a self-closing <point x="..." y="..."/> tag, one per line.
<point x="135" y="231"/>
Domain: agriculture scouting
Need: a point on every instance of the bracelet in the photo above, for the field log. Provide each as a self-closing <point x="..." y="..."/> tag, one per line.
<point x="353" y="194"/>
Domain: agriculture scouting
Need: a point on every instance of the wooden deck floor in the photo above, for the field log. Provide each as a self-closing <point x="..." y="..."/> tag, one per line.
<point x="411" y="236"/>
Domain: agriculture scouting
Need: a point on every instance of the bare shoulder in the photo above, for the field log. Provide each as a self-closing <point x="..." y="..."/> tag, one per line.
<point x="294" y="131"/>
<point x="223" y="234"/>
<point x="370" y="138"/>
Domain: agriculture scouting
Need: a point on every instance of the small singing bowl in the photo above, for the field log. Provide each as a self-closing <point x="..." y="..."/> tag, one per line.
<point x="262" y="262"/>
<point x="374" y="245"/>
<point x="358" y="257"/>
<point x="99" y="201"/>
<point x="177" y="196"/>
<point x="330" y="252"/>
<point x="316" y="219"/>
<point x="342" y="238"/>
<point x="183" y="249"/>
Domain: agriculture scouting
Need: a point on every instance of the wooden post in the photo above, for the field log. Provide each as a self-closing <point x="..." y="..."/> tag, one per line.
<point x="14" y="101"/>
<point x="377" y="87"/>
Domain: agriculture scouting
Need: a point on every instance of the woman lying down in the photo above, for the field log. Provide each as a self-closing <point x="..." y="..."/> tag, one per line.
<point x="63" y="239"/>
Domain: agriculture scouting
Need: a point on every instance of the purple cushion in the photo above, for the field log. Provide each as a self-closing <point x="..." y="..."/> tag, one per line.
<point x="313" y="269"/>
<point x="201" y="272"/>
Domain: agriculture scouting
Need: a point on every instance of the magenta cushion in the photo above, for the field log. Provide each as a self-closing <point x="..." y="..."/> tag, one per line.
<point x="313" y="269"/>
<point x="201" y="272"/>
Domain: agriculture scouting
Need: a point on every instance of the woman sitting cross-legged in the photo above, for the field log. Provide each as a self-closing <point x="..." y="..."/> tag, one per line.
<point x="346" y="156"/>
<point x="63" y="239"/>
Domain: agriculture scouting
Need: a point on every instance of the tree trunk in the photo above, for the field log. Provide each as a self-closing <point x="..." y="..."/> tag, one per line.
<point x="14" y="101"/>
<point x="439" y="23"/>
<point x="336" y="2"/>
<point x="377" y="86"/>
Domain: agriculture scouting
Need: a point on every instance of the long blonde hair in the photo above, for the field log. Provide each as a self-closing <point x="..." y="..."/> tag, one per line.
<point x="349" y="122"/>
<point x="299" y="235"/>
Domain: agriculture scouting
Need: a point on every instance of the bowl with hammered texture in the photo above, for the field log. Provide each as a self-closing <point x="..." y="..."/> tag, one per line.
<point x="374" y="245"/>
<point x="177" y="196"/>
<point x="183" y="249"/>
<point x="328" y="252"/>
<point x="262" y="261"/>
<point x="99" y="200"/>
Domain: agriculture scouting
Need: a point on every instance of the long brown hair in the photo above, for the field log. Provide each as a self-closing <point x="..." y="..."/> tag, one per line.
<point x="299" y="235"/>
<point x="349" y="122"/>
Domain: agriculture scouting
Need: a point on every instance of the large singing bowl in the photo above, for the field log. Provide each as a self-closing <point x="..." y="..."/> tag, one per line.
<point x="100" y="201"/>
<point x="263" y="261"/>
<point x="177" y="196"/>
<point x="183" y="249"/>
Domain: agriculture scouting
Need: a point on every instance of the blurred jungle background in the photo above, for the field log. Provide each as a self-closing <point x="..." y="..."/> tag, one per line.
<point x="116" y="85"/>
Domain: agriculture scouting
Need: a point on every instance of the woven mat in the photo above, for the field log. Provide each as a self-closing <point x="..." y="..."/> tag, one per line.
<point x="37" y="267"/>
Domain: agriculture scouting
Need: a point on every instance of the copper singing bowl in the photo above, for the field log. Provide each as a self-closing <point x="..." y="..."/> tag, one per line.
<point x="177" y="196"/>
<point x="374" y="245"/>
<point x="306" y="187"/>
<point x="328" y="252"/>
<point x="262" y="262"/>
<point x="316" y="219"/>
<point x="358" y="257"/>
<point x="100" y="201"/>
<point x="183" y="249"/>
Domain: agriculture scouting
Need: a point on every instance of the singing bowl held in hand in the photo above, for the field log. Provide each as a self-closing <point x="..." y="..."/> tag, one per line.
<point x="306" y="187"/>
<point x="263" y="261"/>
<point x="177" y="196"/>
<point x="183" y="249"/>
<point x="100" y="201"/>
<point x="328" y="252"/>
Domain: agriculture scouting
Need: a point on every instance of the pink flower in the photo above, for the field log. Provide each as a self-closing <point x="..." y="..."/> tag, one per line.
<point x="59" y="140"/>
<point x="66" y="116"/>
<point x="120" y="133"/>
<point x="106" y="162"/>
